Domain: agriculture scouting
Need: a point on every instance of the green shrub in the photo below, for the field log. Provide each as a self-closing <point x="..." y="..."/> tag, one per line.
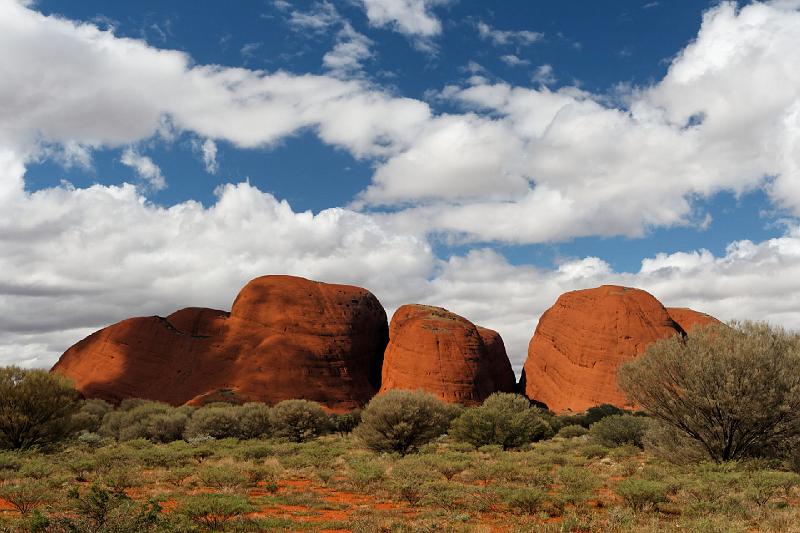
<point x="505" y="419"/>
<point x="346" y="422"/>
<point x="572" y="431"/>
<point x="25" y="494"/>
<point x="619" y="430"/>
<point x="90" y="415"/>
<point x="213" y="510"/>
<point x="642" y="494"/>
<point x="219" y="422"/>
<point x="402" y="421"/>
<point x="155" y="421"/>
<point x="365" y="472"/>
<point x="578" y="484"/>
<point x="100" y="511"/>
<point x="733" y="389"/>
<point x="526" y="499"/>
<point x="299" y="420"/>
<point x="590" y="416"/>
<point x="36" y="408"/>
<point x="254" y="420"/>
<point x="448" y="464"/>
<point x="222" y="477"/>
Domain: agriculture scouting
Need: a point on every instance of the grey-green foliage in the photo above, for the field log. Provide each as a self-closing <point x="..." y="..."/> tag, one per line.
<point x="154" y="421"/>
<point x="218" y="421"/>
<point x="36" y="407"/>
<point x="508" y="420"/>
<point x="619" y="430"/>
<point x="91" y="413"/>
<point x="733" y="389"/>
<point x="402" y="421"/>
<point x="254" y="420"/>
<point x="299" y="420"/>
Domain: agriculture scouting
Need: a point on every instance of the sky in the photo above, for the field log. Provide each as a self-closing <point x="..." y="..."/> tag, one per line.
<point x="483" y="157"/>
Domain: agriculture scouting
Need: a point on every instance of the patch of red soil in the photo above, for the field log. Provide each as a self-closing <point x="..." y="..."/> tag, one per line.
<point x="6" y="506"/>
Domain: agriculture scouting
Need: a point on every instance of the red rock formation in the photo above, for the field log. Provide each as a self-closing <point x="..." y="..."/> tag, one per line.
<point x="500" y="369"/>
<point x="286" y="337"/>
<point x="435" y="350"/>
<point x="687" y="318"/>
<point x="581" y="341"/>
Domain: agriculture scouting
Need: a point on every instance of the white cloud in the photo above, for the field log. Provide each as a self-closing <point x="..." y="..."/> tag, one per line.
<point x="410" y="17"/>
<point x="321" y="16"/>
<point x="209" y="151"/>
<point x="725" y="118"/>
<point x="508" y="37"/>
<point x="77" y="259"/>
<point x="544" y="75"/>
<point x="351" y="49"/>
<point x="514" y="61"/>
<point x="145" y="169"/>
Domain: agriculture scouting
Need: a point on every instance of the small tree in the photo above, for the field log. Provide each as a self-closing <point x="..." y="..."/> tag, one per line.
<point x="401" y="421"/>
<point x="36" y="407"/>
<point x="733" y="389"/>
<point x="299" y="420"/>
<point x="505" y="419"/>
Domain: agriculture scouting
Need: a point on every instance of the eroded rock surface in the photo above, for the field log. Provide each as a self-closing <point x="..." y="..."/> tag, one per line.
<point x="285" y="337"/>
<point x="435" y="350"/>
<point x="581" y="341"/>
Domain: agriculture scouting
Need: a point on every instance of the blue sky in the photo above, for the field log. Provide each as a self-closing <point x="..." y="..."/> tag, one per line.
<point x="480" y="156"/>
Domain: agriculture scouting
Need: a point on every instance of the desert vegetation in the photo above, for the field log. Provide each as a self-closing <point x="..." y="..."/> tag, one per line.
<point x="713" y="449"/>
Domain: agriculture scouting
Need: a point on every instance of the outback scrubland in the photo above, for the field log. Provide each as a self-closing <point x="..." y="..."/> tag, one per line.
<point x="712" y="446"/>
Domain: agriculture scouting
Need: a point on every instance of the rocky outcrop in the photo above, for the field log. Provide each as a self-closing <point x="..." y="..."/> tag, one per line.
<point x="285" y="337"/>
<point x="581" y="341"/>
<point x="688" y="319"/>
<point x="435" y="350"/>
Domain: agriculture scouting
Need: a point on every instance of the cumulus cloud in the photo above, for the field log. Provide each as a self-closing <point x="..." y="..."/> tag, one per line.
<point x="725" y="118"/>
<point x="351" y="50"/>
<point x="145" y="169"/>
<point x="119" y="255"/>
<point x="413" y="18"/>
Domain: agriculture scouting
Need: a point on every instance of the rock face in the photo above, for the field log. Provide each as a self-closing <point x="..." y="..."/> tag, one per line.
<point x="583" y="339"/>
<point x="435" y="350"/>
<point x="687" y="318"/>
<point x="285" y="337"/>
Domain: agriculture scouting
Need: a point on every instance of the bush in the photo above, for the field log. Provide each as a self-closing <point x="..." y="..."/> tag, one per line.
<point x="36" y="408"/>
<point x="219" y="422"/>
<point x="402" y="421"/>
<point x="254" y="420"/>
<point x="90" y="415"/>
<point x="345" y="423"/>
<point x="98" y="510"/>
<point x="733" y="389"/>
<point x="213" y="510"/>
<point x="299" y="420"/>
<point x="619" y="430"/>
<point x="24" y="494"/>
<point x="642" y="494"/>
<point x="505" y="419"/>
<point x="155" y="421"/>
<point x="571" y="431"/>
<point x="527" y="499"/>
<point x="223" y="477"/>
